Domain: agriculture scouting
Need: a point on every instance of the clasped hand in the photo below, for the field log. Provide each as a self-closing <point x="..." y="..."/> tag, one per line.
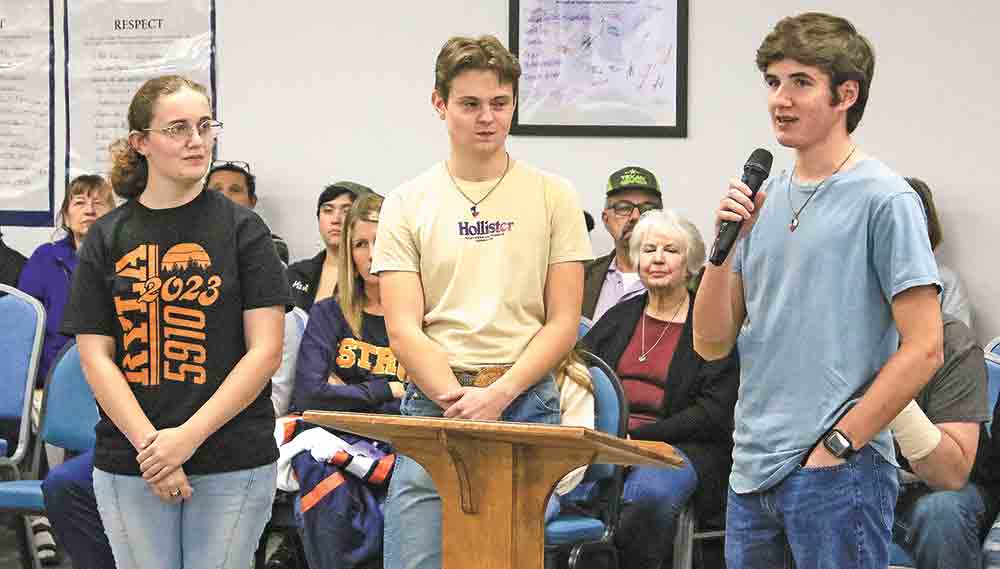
<point x="481" y="403"/>
<point x="163" y="452"/>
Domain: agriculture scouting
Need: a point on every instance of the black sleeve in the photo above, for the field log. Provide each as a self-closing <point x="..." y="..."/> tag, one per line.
<point x="90" y="308"/>
<point x="710" y="417"/>
<point x="262" y="276"/>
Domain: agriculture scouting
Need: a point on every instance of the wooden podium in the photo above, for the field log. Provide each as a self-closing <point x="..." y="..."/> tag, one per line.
<point x="494" y="477"/>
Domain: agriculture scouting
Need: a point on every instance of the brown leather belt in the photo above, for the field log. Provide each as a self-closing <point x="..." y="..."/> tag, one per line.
<point x="483" y="377"/>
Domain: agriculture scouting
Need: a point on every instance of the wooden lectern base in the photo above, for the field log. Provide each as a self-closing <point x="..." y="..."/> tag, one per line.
<point x="494" y="477"/>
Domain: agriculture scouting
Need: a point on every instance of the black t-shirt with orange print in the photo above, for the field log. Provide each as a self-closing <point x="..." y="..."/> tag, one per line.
<point x="170" y="286"/>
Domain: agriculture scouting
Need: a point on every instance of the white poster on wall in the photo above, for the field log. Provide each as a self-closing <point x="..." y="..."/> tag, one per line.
<point x="26" y="100"/>
<point x="112" y="48"/>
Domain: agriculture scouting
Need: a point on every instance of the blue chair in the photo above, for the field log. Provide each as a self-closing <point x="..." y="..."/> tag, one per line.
<point x="993" y="347"/>
<point x="585" y="325"/>
<point x="21" y="338"/>
<point x="69" y="413"/>
<point x="992" y="383"/>
<point x="578" y="535"/>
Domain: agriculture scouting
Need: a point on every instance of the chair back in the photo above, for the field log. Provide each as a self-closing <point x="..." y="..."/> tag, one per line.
<point x="298" y="318"/>
<point x="610" y="408"/>
<point x="992" y="383"/>
<point x="22" y="329"/>
<point x="69" y="410"/>
<point x="993" y="347"/>
<point x="585" y="325"/>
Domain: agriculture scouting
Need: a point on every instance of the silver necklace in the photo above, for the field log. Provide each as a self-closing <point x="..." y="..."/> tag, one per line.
<point x="643" y="352"/>
<point x="795" y="214"/>
<point x="474" y="209"/>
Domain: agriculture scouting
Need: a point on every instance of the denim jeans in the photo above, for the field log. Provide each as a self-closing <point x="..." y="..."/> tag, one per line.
<point x="72" y="510"/>
<point x="827" y="518"/>
<point x="942" y="528"/>
<point x="217" y="528"/>
<point x="413" y="507"/>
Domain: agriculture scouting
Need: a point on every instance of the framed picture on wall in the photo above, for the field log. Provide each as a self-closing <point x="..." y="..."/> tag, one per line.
<point x="600" y="68"/>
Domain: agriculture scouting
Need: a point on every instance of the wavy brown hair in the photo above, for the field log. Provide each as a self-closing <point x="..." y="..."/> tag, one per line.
<point x="830" y="43"/>
<point x="129" y="169"/>
<point x="484" y="53"/>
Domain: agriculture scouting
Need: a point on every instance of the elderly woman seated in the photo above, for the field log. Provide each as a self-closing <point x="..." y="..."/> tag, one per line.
<point x="674" y="395"/>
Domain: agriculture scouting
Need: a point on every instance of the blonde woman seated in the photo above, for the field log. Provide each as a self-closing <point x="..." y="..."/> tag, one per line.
<point x="674" y="395"/>
<point x="576" y="409"/>
<point x="345" y="364"/>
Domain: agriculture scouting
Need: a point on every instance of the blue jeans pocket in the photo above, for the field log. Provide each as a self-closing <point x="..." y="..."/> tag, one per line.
<point x="538" y="404"/>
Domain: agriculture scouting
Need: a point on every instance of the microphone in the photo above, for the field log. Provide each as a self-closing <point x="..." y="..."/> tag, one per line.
<point x="755" y="171"/>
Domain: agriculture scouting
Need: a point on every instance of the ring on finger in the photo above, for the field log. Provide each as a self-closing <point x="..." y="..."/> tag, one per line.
<point x="175" y="492"/>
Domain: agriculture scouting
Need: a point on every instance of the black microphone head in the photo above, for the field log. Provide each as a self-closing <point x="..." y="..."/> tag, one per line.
<point x="762" y="159"/>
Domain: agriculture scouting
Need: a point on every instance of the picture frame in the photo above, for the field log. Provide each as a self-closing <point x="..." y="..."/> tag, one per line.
<point x="600" y="68"/>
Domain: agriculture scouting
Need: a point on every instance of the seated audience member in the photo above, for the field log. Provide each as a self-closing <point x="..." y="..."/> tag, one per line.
<point x="314" y="279"/>
<point x="940" y="520"/>
<point x="612" y="278"/>
<point x="11" y="263"/>
<point x="47" y="276"/>
<point x="345" y="364"/>
<point x="235" y="180"/>
<point x="674" y="395"/>
<point x="576" y="409"/>
<point x="48" y="273"/>
<point x="986" y="473"/>
<point x="954" y="299"/>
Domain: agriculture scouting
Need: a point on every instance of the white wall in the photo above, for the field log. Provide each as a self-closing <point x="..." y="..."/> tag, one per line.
<point x="316" y="91"/>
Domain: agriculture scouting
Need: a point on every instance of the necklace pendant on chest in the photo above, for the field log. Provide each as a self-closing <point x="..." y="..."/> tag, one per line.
<point x="794" y="224"/>
<point x="475" y="212"/>
<point x="642" y="358"/>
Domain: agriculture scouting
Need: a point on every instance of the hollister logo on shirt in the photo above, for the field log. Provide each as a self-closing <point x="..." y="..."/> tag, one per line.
<point x="483" y="230"/>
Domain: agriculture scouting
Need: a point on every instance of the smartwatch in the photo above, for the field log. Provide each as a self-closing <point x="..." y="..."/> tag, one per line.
<point x="838" y="444"/>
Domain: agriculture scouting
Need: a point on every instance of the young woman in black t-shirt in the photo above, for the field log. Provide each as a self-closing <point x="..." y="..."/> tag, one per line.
<point x="177" y="307"/>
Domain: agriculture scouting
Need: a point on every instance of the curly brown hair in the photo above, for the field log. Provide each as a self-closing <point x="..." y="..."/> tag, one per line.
<point x="129" y="169"/>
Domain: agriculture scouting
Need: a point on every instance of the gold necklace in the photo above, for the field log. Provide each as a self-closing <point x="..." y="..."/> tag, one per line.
<point x="643" y="352"/>
<point x="795" y="214"/>
<point x="473" y="209"/>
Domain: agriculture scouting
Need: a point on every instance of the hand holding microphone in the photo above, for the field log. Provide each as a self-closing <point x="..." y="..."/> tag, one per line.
<point x="742" y="202"/>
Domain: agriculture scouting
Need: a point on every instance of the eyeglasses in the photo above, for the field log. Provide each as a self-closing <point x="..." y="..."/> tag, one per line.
<point x="239" y="164"/>
<point x="624" y="208"/>
<point x="182" y="131"/>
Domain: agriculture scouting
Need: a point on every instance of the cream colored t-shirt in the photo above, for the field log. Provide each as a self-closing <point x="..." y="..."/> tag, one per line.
<point x="484" y="276"/>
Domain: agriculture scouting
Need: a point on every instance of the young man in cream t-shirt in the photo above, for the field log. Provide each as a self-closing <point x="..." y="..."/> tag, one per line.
<point x="481" y="267"/>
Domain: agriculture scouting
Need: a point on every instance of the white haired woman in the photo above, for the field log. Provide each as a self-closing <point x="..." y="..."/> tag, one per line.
<point x="674" y="395"/>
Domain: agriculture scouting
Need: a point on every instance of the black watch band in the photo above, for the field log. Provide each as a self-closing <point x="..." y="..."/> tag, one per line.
<point x="839" y="444"/>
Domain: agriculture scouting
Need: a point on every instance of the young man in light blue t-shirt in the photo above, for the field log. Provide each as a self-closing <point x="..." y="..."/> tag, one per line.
<point x="827" y="281"/>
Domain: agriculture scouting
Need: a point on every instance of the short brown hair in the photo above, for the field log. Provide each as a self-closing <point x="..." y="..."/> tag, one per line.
<point x="930" y="210"/>
<point x="129" y="170"/>
<point x="830" y="43"/>
<point x="85" y="184"/>
<point x="484" y="53"/>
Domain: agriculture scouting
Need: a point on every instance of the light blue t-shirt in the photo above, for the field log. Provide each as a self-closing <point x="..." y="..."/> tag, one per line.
<point x="819" y="325"/>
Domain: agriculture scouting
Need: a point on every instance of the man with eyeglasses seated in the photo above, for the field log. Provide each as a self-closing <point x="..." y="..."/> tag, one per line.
<point x="314" y="279"/>
<point x="236" y="181"/>
<point x="612" y="278"/>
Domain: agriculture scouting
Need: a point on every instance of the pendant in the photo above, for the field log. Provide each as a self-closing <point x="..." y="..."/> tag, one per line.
<point x="794" y="224"/>
<point x="475" y="212"/>
<point x="642" y="358"/>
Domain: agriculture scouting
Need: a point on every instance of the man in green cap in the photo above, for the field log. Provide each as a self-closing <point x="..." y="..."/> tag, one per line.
<point x="608" y="280"/>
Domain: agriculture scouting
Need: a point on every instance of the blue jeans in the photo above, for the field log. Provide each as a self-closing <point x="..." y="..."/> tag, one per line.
<point x="72" y="510"/>
<point x="827" y="518"/>
<point x="651" y="501"/>
<point x="413" y="507"/>
<point x="217" y="528"/>
<point x="942" y="529"/>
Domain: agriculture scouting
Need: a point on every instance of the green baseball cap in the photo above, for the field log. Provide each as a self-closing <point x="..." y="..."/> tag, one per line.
<point x="633" y="178"/>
